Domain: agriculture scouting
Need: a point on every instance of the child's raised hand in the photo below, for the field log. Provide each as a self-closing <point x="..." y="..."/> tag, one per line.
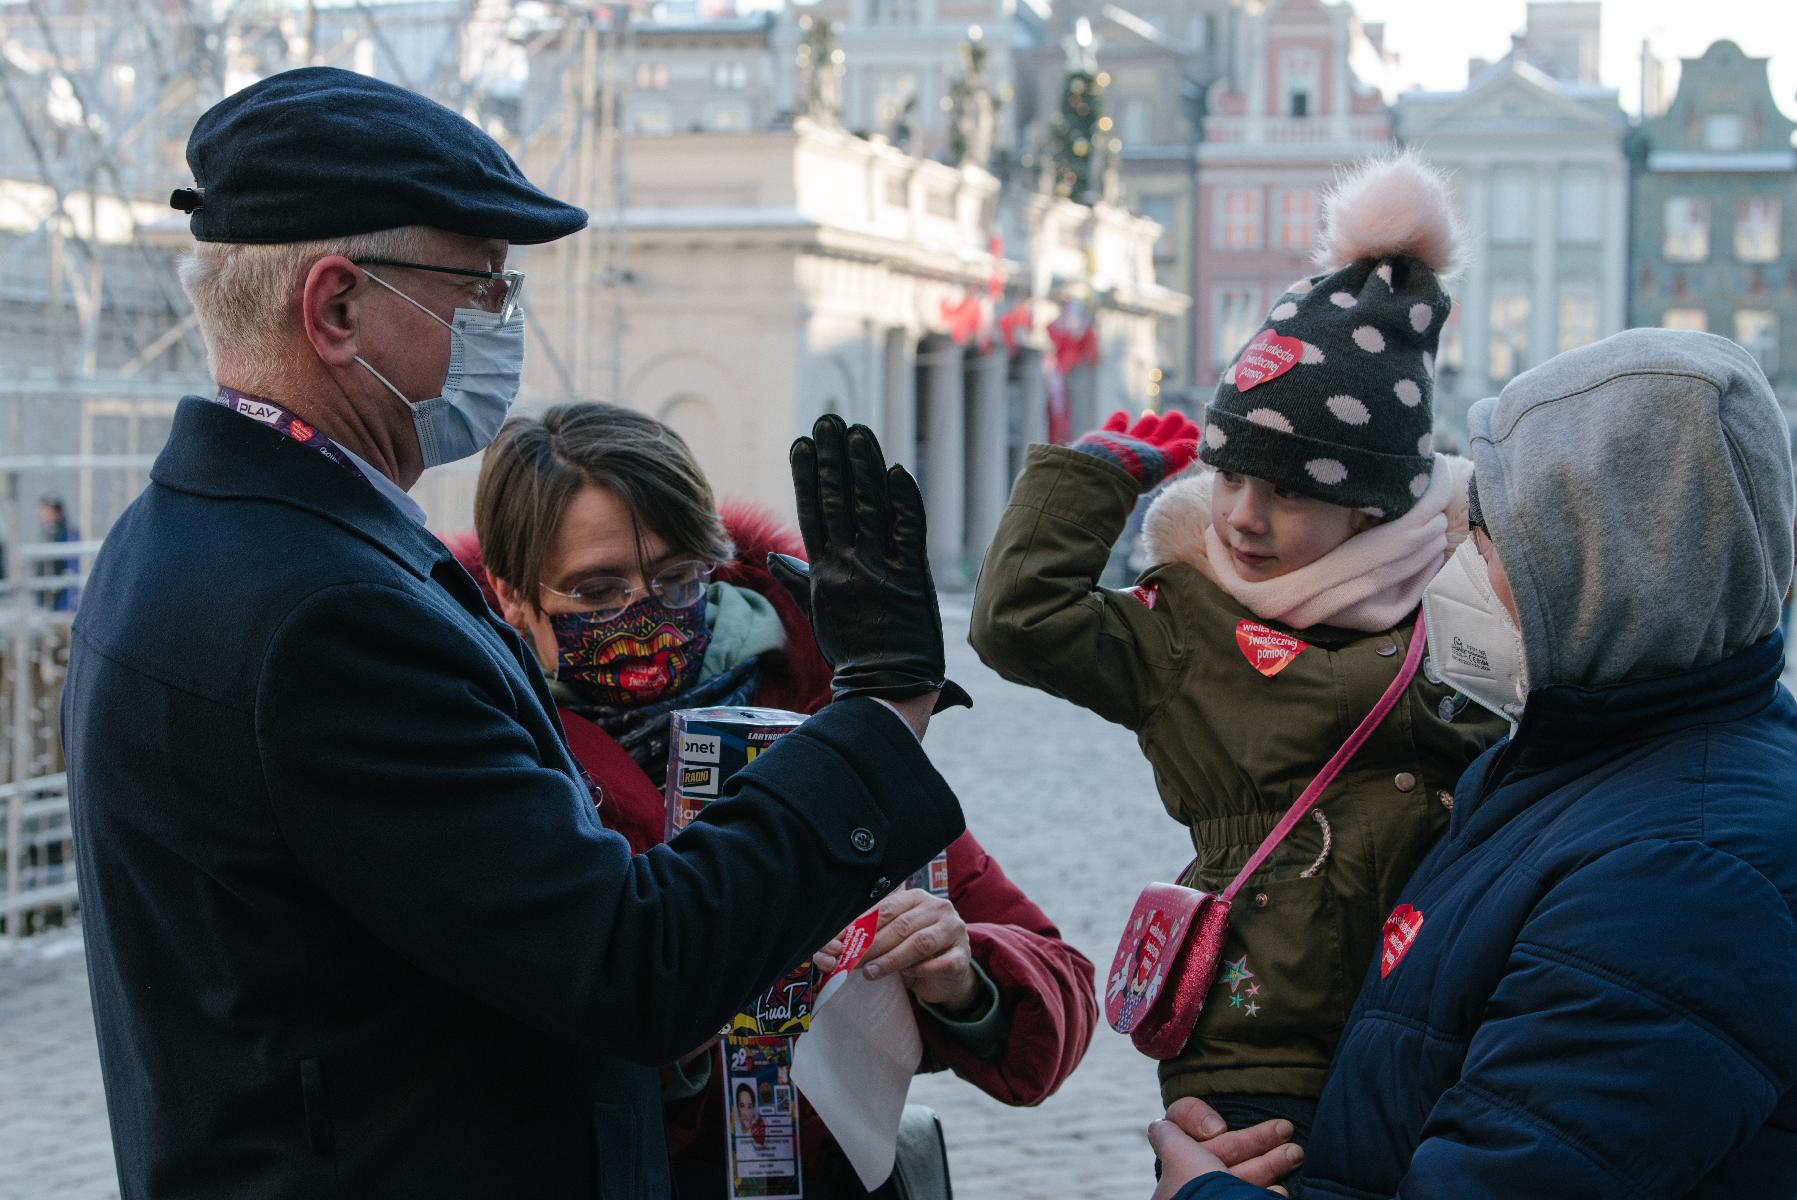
<point x="1157" y="446"/>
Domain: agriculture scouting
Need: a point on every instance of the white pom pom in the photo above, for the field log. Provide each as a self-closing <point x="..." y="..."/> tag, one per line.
<point x="1388" y="206"/>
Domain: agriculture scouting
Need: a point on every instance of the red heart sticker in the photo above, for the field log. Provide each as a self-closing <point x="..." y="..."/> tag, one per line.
<point x="1268" y="356"/>
<point x="299" y="431"/>
<point x="1401" y="929"/>
<point x="1147" y="595"/>
<point x="1267" y="650"/>
<point x="855" y="941"/>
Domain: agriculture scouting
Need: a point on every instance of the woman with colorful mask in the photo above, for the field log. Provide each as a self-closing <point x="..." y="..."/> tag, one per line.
<point x="600" y="542"/>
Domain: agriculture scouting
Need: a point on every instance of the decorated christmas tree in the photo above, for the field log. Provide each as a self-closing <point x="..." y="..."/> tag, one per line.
<point x="1080" y="131"/>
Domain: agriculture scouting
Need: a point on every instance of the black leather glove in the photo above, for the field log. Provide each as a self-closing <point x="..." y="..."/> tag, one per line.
<point x="867" y="589"/>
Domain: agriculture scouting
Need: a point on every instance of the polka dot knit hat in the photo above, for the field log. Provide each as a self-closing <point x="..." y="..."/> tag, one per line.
<point x="1332" y="398"/>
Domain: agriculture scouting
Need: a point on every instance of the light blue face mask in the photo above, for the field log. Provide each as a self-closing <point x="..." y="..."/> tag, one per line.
<point x="486" y="363"/>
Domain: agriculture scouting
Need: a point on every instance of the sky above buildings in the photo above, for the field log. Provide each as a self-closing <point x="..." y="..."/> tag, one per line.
<point x="1435" y="38"/>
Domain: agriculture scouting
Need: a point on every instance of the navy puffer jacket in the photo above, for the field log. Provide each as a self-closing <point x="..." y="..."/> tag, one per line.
<point x="1594" y="988"/>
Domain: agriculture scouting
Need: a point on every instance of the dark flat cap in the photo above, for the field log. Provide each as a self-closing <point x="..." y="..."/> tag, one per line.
<point x="322" y="153"/>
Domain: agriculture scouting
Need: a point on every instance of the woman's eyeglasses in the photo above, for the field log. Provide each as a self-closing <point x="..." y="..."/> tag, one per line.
<point x="681" y="585"/>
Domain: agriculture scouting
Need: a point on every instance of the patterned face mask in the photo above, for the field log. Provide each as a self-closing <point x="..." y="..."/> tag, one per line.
<point x="646" y="653"/>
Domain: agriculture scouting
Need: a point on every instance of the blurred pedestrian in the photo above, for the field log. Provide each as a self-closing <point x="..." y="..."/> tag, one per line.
<point x="53" y="527"/>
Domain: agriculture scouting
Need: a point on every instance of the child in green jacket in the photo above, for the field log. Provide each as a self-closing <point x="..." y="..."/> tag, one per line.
<point x="1286" y="591"/>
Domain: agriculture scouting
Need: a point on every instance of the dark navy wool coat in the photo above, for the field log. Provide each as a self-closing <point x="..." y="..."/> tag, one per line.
<point x="354" y="928"/>
<point x="1594" y="988"/>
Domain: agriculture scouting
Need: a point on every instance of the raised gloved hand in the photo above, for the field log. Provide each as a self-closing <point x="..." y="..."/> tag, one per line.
<point x="1156" y="447"/>
<point x="867" y="589"/>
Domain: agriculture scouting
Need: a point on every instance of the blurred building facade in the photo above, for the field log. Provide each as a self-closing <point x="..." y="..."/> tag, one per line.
<point x="1296" y="110"/>
<point x="1541" y="182"/>
<point x="1714" y="198"/>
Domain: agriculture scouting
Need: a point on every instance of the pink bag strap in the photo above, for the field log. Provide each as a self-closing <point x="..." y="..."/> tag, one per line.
<point x="1413" y="658"/>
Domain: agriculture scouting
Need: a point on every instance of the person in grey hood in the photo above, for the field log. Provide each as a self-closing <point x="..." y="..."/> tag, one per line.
<point x="1586" y="988"/>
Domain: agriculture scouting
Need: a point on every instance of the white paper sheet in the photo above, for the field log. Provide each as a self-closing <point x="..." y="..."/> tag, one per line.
<point x="856" y="1064"/>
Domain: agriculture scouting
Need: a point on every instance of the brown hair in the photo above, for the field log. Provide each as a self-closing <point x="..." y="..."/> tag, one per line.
<point x="537" y="464"/>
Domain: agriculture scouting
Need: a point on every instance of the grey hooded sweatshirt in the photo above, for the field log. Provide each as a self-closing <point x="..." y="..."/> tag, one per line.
<point x="1639" y="493"/>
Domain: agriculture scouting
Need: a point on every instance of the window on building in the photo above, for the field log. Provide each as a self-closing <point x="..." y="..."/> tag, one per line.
<point x="1723" y="131"/>
<point x="731" y="117"/>
<point x="1757" y="330"/>
<point x="1687" y="229"/>
<point x="1238" y="219"/>
<point x="1694" y="319"/>
<point x="651" y="119"/>
<point x="1135" y="122"/>
<point x="1508" y="353"/>
<point x="891" y="12"/>
<point x="730" y="77"/>
<point x="1512" y="206"/>
<point x="1756" y="229"/>
<point x="1160" y="209"/>
<point x="1298" y="81"/>
<point x="1578" y="317"/>
<point x="1237" y="318"/>
<point x="1296" y="219"/>
<point x="1581" y="207"/>
<point x="651" y="77"/>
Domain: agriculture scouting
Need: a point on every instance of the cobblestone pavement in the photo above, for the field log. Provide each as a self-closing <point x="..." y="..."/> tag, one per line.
<point x="1061" y="799"/>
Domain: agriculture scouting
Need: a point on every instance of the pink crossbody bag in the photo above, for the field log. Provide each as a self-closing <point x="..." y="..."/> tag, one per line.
<point x="1173" y="944"/>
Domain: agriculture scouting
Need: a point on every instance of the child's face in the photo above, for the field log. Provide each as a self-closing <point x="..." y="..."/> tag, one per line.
<point x="1270" y="532"/>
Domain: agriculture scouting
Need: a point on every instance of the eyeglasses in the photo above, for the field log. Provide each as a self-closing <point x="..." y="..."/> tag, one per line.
<point x="499" y="293"/>
<point x="605" y="596"/>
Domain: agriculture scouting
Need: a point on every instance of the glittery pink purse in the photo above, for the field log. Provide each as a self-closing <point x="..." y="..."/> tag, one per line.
<point x="1173" y="941"/>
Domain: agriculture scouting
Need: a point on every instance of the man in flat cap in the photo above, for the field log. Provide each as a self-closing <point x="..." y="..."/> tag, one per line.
<point x="354" y="926"/>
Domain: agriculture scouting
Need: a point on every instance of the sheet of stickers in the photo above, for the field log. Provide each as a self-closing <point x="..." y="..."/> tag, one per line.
<point x="706" y="747"/>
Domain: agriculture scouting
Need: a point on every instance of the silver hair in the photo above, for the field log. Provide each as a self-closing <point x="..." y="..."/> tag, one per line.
<point x="246" y="296"/>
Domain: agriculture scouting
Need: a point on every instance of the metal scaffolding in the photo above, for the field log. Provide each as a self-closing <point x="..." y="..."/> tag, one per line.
<point x="96" y="102"/>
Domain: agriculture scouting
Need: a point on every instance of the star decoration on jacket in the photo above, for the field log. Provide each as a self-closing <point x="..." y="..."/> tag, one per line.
<point x="1254" y="989"/>
<point x="1235" y="1001"/>
<point x="1235" y="973"/>
<point x="1253" y="1009"/>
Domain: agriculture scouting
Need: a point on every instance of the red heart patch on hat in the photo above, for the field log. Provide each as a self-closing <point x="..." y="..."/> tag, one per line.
<point x="1268" y="356"/>
<point x="299" y="431"/>
<point x="1267" y="650"/>
<point x="1401" y="929"/>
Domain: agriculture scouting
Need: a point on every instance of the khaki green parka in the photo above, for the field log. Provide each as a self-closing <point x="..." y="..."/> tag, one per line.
<point x="1231" y="750"/>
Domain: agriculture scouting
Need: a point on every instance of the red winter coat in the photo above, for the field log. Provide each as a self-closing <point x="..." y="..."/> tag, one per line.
<point x="1044" y="985"/>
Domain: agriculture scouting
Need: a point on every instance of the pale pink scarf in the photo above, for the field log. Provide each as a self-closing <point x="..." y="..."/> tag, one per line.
<point x="1369" y="583"/>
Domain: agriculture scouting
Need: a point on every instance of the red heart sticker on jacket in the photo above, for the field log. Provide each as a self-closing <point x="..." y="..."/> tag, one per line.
<point x="1268" y="356"/>
<point x="1267" y="650"/>
<point x="1401" y="929"/>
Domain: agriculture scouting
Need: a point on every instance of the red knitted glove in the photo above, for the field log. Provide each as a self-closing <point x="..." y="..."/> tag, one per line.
<point x="1158" y="446"/>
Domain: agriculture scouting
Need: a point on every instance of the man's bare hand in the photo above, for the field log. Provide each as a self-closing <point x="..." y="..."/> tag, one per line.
<point x="1192" y="1141"/>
